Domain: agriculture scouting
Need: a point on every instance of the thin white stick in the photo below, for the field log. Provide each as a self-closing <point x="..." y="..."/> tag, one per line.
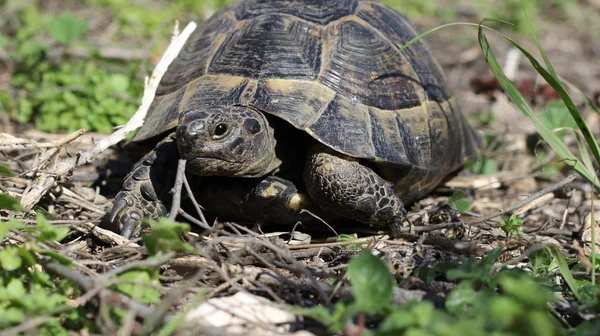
<point x="9" y="142"/>
<point x="45" y="181"/>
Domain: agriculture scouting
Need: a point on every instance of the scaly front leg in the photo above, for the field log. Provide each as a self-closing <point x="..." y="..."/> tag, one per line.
<point x="145" y="189"/>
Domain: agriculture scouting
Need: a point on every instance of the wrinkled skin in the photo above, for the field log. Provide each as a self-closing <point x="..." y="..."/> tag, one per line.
<point x="239" y="142"/>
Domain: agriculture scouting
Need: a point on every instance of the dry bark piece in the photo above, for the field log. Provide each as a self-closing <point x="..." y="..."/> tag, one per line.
<point x="244" y="314"/>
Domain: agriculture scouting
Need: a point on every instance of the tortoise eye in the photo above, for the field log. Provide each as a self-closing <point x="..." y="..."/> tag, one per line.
<point x="220" y="131"/>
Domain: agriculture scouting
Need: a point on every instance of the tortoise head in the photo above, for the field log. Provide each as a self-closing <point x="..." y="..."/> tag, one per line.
<point x="227" y="141"/>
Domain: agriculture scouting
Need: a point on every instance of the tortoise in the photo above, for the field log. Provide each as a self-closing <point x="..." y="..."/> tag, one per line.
<point x="274" y="105"/>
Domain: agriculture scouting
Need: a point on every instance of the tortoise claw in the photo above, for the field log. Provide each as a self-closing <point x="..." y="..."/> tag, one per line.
<point x="126" y="215"/>
<point x="130" y="223"/>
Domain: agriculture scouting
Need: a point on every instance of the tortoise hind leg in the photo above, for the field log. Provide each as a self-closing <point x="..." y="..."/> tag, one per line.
<point x="145" y="189"/>
<point x="345" y="187"/>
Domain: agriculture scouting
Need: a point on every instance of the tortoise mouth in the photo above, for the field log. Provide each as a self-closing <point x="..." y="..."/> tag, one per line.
<point x="204" y="165"/>
<point x="213" y="167"/>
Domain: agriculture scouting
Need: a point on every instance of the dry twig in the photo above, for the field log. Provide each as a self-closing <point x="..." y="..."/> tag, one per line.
<point x="9" y="142"/>
<point x="176" y="191"/>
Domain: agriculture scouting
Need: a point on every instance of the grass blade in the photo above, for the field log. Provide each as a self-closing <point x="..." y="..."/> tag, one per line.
<point x="511" y="90"/>
<point x="556" y="84"/>
<point x="565" y="271"/>
<point x="584" y="152"/>
<point x="432" y="30"/>
<point x="539" y="46"/>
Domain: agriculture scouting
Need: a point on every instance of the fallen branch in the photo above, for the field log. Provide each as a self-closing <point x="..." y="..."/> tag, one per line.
<point x="45" y="181"/>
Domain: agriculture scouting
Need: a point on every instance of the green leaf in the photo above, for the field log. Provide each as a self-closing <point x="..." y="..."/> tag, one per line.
<point x="25" y="110"/>
<point x="458" y="194"/>
<point x="371" y="281"/>
<point x="39" y="210"/>
<point x="11" y="316"/>
<point x="462" y="298"/>
<point x="505" y="311"/>
<point x="164" y="237"/>
<point x="565" y="271"/>
<point x="3" y="231"/>
<point x="485" y="167"/>
<point x="590" y="297"/>
<point x="456" y="200"/>
<point x="524" y="289"/>
<point x="66" y="28"/>
<point x="143" y="287"/>
<point x="9" y="258"/>
<point x="10" y="203"/>
<point x="462" y="205"/>
<point x="119" y="82"/>
<point x="336" y="318"/>
<point x="13" y="224"/>
<point x="16" y="288"/>
<point x="474" y="269"/>
<point x="346" y="237"/>
<point x="556" y="116"/>
<point x="70" y="98"/>
<point x="542" y="262"/>
<point x="5" y="171"/>
<point x="512" y="225"/>
<point x="398" y="320"/>
<point x="27" y="256"/>
<point x="587" y="328"/>
<point x="58" y="257"/>
<point x="49" y="232"/>
<point x="540" y="323"/>
<point x="425" y="273"/>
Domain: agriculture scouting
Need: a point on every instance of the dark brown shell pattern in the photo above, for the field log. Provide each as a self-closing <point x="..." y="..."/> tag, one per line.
<point x="311" y="63"/>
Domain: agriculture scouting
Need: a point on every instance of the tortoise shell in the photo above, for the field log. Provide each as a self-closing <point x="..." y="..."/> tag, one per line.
<point x="311" y="63"/>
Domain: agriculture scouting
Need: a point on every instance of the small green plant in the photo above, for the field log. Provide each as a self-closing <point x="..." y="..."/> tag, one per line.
<point x="347" y="237"/>
<point x="486" y="301"/>
<point x="556" y="117"/>
<point x="10" y="203"/>
<point x="140" y="284"/>
<point x="458" y="202"/>
<point x="512" y="225"/>
<point x="484" y="167"/>
<point x="427" y="274"/>
<point x="65" y="93"/>
<point x="67" y="28"/>
<point x="165" y="237"/>
<point x="371" y="281"/>
<point x="26" y="292"/>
